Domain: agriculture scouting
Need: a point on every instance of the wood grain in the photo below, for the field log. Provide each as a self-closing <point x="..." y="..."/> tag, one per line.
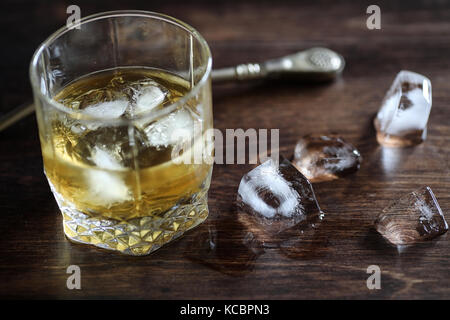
<point x="415" y="35"/>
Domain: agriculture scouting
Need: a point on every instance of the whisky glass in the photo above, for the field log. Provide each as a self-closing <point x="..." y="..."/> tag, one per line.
<point x="123" y="105"/>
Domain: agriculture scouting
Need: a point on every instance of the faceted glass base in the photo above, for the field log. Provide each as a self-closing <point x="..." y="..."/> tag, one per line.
<point x="138" y="236"/>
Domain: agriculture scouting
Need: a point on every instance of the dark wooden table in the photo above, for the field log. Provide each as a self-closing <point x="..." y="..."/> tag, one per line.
<point x="414" y="35"/>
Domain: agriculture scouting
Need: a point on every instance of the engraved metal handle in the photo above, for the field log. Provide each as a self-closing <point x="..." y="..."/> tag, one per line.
<point x="240" y="72"/>
<point x="315" y="64"/>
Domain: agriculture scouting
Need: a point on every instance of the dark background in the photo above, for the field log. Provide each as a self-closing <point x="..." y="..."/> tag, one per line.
<point x="415" y="35"/>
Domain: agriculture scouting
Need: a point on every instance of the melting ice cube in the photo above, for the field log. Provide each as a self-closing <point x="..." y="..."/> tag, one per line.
<point x="106" y="185"/>
<point x="107" y="110"/>
<point x="403" y="116"/>
<point x="105" y="159"/>
<point x="171" y="129"/>
<point x="147" y="97"/>
<point x="322" y="158"/>
<point x="106" y="188"/>
<point x="275" y="196"/>
<point x="413" y="218"/>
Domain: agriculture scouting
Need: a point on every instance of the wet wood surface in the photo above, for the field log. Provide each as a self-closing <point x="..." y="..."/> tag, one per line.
<point x="414" y="35"/>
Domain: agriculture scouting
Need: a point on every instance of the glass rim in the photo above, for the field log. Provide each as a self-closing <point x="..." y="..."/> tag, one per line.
<point x="111" y="14"/>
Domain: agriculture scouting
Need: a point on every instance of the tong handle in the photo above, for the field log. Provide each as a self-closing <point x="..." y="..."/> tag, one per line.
<point x="246" y="71"/>
<point x="15" y="115"/>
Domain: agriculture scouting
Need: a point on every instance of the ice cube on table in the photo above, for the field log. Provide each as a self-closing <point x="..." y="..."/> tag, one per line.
<point x="325" y="157"/>
<point x="173" y="128"/>
<point x="413" y="218"/>
<point x="106" y="185"/>
<point x="275" y="196"/>
<point x="403" y="116"/>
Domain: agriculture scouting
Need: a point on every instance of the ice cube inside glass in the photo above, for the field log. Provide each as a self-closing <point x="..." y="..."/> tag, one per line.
<point x="114" y="101"/>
